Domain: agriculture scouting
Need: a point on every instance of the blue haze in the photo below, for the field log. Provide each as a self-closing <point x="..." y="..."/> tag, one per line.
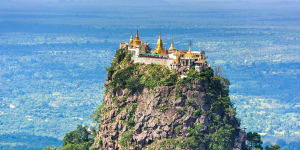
<point x="53" y="60"/>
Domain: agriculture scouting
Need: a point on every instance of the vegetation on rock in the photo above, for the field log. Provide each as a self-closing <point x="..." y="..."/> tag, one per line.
<point x="218" y="133"/>
<point x="151" y="107"/>
<point x="79" y="139"/>
<point x="123" y="74"/>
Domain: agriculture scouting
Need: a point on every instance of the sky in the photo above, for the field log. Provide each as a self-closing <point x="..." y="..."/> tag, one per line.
<point x="150" y="4"/>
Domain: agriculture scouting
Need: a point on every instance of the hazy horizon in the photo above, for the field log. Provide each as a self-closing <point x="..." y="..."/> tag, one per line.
<point x="53" y="55"/>
<point x="92" y="5"/>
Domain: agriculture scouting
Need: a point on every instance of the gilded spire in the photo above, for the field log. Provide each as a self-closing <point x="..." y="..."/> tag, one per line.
<point x="172" y="46"/>
<point x="190" y="45"/>
<point x="137" y="40"/>
<point x="159" y="46"/>
<point x="137" y="35"/>
<point x="189" y="54"/>
<point x="159" y="43"/>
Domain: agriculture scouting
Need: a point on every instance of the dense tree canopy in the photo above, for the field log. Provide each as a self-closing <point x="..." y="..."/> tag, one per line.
<point x="253" y="140"/>
<point x="80" y="139"/>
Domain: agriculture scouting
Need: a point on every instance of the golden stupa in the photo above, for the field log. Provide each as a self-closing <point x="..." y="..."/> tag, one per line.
<point x="172" y="46"/>
<point x="189" y="54"/>
<point x="131" y="40"/>
<point x="159" y="46"/>
<point x="137" y="41"/>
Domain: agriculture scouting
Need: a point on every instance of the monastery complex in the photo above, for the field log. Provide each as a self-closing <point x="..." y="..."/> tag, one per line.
<point x="174" y="59"/>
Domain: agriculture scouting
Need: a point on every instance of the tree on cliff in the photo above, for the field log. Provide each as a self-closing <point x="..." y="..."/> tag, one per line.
<point x="79" y="139"/>
<point x="253" y="140"/>
<point x="273" y="147"/>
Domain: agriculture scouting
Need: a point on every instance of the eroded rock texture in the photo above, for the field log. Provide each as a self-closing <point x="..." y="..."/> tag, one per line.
<point x="143" y="119"/>
<point x="150" y="107"/>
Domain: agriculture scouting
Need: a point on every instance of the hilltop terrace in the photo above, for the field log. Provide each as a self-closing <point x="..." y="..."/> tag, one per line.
<point x="174" y="59"/>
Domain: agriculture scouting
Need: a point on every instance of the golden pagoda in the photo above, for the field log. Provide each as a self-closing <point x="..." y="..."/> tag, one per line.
<point x="131" y="41"/>
<point x="189" y="54"/>
<point x="159" y="46"/>
<point x="172" y="46"/>
<point x="137" y="41"/>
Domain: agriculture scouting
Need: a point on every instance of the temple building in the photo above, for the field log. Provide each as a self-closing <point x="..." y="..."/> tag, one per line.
<point x="174" y="59"/>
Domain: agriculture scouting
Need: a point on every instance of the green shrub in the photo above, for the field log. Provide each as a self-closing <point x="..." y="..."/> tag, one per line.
<point x="50" y="148"/>
<point x="154" y="75"/>
<point x="179" y="94"/>
<point x="191" y="101"/>
<point x="164" y="108"/>
<point x="133" y="109"/>
<point x="193" y="75"/>
<point x="82" y="146"/>
<point x="125" y="97"/>
<point x="92" y="148"/>
<point x="131" y="122"/>
<point x="136" y="76"/>
<point x="253" y="140"/>
<point x="197" y="137"/>
<point x="197" y="113"/>
<point x="96" y="115"/>
<point x="119" y="56"/>
<point x="222" y="138"/>
<point x="79" y="139"/>
<point x="133" y="84"/>
<point x="114" y="99"/>
<point x="273" y="147"/>
<point x="120" y="76"/>
<point x="190" y="143"/>
<point x="177" y="129"/>
<point x="170" y="79"/>
<point x="80" y="135"/>
<point x="72" y="147"/>
<point x="126" y="138"/>
<point x="100" y="140"/>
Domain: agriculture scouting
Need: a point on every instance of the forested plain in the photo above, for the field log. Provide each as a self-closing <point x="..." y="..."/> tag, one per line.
<point x="52" y="74"/>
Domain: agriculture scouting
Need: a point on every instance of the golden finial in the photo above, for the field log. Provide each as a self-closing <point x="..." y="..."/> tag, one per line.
<point x="159" y="43"/>
<point x="190" y="45"/>
<point x="172" y="46"/>
<point x="137" y="35"/>
<point x="189" y="54"/>
<point x="137" y="40"/>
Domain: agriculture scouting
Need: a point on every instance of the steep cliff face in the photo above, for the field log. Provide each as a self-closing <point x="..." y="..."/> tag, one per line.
<point x="150" y="107"/>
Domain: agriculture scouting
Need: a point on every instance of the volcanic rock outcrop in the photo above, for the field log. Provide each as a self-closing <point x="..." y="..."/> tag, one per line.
<point x="151" y="107"/>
